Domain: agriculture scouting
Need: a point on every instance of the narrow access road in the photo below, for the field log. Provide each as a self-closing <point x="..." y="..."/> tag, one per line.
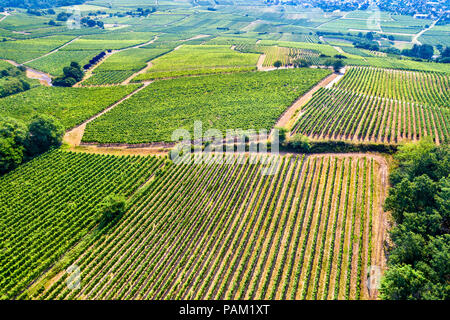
<point x="415" y="39"/>
<point x="287" y="119"/>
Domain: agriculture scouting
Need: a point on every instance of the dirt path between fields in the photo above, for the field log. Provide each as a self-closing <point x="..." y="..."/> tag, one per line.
<point x="90" y="72"/>
<point x="339" y="49"/>
<point x="284" y="120"/>
<point x="142" y="71"/>
<point x="261" y="62"/>
<point x="53" y="51"/>
<point x="5" y="15"/>
<point x="74" y="136"/>
<point x="415" y="39"/>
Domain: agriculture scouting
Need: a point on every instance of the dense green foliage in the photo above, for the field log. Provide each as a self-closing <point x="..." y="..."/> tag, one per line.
<point x="12" y="80"/>
<point x="236" y="101"/>
<point x="111" y="208"/>
<point x="205" y="59"/>
<point x="71" y="75"/>
<point x="419" y="201"/>
<point x="44" y="132"/>
<point x="19" y="143"/>
<point x="49" y="204"/>
<point x="69" y="105"/>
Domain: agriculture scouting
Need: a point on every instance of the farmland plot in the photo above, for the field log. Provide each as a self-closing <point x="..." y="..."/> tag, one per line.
<point x="195" y="60"/>
<point x="234" y="101"/>
<point x="120" y="66"/>
<point x="223" y="231"/>
<point x="429" y="88"/>
<point x="50" y="203"/>
<point x="336" y="114"/>
<point x="70" y="105"/>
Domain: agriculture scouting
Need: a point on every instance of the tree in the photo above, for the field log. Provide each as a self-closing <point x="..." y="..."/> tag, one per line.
<point x="277" y="64"/>
<point x="281" y="135"/>
<point x="112" y="207"/>
<point x="72" y="75"/>
<point x="11" y="155"/>
<point x="337" y="64"/>
<point x="419" y="201"/>
<point x="75" y="73"/>
<point x="301" y="63"/>
<point x="64" y="82"/>
<point x="369" y="36"/>
<point x="12" y="138"/>
<point x="402" y="282"/>
<point x="44" y="132"/>
<point x="300" y="143"/>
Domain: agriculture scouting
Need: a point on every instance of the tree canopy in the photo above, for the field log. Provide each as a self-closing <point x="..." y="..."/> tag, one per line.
<point x="419" y="201"/>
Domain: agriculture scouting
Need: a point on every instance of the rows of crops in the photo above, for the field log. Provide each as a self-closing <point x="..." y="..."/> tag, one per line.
<point x="49" y="204"/>
<point x="195" y="60"/>
<point x="344" y="115"/>
<point x="427" y="88"/>
<point x="71" y="106"/>
<point x="99" y="78"/>
<point x="251" y="100"/>
<point x="225" y="231"/>
<point x="288" y="55"/>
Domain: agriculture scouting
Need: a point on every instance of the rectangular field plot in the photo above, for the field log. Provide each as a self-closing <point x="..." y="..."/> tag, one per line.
<point x="25" y="50"/>
<point x="251" y="100"/>
<point x="336" y="114"/>
<point x="220" y="231"/>
<point x="50" y="203"/>
<point x="70" y="105"/>
<point x="289" y="55"/>
<point x="428" y="88"/>
<point x="194" y="60"/>
<point x="107" y="77"/>
<point x="55" y="62"/>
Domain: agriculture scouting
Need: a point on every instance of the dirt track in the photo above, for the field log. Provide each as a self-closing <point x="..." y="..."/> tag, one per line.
<point x="287" y="116"/>
<point x="74" y="136"/>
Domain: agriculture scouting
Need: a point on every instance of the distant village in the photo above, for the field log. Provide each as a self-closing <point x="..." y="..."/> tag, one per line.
<point x="420" y="9"/>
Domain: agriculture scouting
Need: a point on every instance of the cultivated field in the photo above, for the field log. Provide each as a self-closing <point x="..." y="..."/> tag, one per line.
<point x="49" y="204"/>
<point x="252" y="100"/>
<point x="379" y="105"/>
<point x="220" y="231"/>
<point x="195" y="60"/>
<point x="70" y="105"/>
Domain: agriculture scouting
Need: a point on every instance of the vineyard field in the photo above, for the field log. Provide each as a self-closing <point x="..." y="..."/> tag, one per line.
<point x="251" y="100"/>
<point x="335" y="114"/>
<point x="379" y="105"/>
<point x="49" y="204"/>
<point x="427" y="88"/>
<point x="307" y="232"/>
<point x="195" y="60"/>
<point x="288" y="55"/>
<point x="100" y="78"/>
<point x="70" y="105"/>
